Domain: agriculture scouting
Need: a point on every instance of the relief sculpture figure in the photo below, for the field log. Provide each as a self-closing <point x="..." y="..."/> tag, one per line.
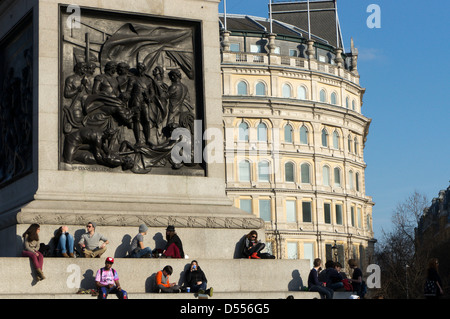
<point x="123" y="116"/>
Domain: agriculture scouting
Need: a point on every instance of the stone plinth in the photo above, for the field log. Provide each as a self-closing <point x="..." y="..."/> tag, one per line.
<point x="81" y="158"/>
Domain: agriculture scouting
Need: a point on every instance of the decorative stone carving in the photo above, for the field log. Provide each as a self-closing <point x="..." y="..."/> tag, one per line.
<point x="16" y="103"/>
<point x="132" y="91"/>
<point x="136" y="220"/>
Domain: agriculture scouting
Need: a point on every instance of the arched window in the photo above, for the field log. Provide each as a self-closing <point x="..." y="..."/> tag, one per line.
<point x="262" y="132"/>
<point x="304" y="135"/>
<point x="242" y="88"/>
<point x="287" y="91"/>
<point x="243" y="132"/>
<point x="347" y="102"/>
<point x="301" y="92"/>
<point x="353" y="105"/>
<point x="357" y="181"/>
<point x="260" y="89"/>
<point x="263" y="171"/>
<point x="305" y="173"/>
<point x="336" y="140"/>
<point x="349" y="143"/>
<point x="356" y="145"/>
<point x="289" y="172"/>
<point x="323" y="96"/>
<point x="337" y="177"/>
<point x="324" y="138"/>
<point x="326" y="176"/>
<point x="333" y="98"/>
<point x="350" y="180"/>
<point x="244" y="171"/>
<point x="288" y="133"/>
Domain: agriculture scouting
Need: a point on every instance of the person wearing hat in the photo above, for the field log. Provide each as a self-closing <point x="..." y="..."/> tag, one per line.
<point x="174" y="246"/>
<point x="92" y="243"/>
<point x="107" y="281"/>
<point x="137" y="249"/>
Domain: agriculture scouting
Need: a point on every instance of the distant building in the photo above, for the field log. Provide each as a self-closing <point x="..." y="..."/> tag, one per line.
<point x="434" y="225"/>
<point x="295" y="134"/>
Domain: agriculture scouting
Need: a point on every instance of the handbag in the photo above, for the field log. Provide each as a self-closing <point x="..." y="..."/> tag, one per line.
<point x="430" y="288"/>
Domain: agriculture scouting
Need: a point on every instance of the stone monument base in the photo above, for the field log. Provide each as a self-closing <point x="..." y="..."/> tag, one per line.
<point x="207" y="231"/>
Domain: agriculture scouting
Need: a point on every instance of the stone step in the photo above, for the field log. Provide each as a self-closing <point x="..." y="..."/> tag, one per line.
<point x="66" y="275"/>
<point x="249" y="295"/>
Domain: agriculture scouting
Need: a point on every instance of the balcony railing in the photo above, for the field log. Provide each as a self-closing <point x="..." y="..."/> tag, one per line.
<point x="260" y="59"/>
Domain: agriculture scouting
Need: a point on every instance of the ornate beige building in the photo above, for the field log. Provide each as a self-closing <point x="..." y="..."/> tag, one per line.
<point x="295" y="137"/>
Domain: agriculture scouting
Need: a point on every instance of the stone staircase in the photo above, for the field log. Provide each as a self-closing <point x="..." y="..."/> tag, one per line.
<point x="230" y="278"/>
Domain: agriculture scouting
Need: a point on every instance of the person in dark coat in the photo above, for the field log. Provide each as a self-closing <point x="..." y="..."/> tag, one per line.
<point x="196" y="280"/>
<point x="174" y="246"/>
<point x="433" y="275"/>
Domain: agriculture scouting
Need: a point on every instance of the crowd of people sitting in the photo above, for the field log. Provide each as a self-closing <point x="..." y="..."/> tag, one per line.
<point x="327" y="281"/>
<point x="93" y="244"/>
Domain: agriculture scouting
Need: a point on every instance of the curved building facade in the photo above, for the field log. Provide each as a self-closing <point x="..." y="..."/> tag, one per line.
<point x="295" y="137"/>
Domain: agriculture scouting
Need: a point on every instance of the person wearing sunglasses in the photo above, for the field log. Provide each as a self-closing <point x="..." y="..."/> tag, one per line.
<point x="92" y="243"/>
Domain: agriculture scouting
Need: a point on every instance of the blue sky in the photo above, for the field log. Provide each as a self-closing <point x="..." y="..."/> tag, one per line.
<point x="404" y="66"/>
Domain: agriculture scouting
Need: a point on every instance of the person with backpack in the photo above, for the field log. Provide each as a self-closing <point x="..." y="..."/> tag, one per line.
<point x="107" y="281"/>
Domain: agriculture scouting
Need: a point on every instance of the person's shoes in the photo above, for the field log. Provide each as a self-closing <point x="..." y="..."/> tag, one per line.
<point x="39" y="274"/>
<point x="71" y="255"/>
<point x="65" y="255"/>
<point x="255" y="256"/>
<point x="209" y="292"/>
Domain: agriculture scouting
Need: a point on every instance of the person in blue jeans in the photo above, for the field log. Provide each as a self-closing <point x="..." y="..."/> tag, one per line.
<point x="315" y="285"/>
<point x="137" y="249"/>
<point x="64" y="242"/>
<point x="107" y="281"/>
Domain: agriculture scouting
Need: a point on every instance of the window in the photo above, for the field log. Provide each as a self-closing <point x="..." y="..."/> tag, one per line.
<point x="308" y="253"/>
<point x="353" y="105"/>
<point x="235" y="47"/>
<point x="347" y="102"/>
<point x="301" y="93"/>
<point x="333" y="98"/>
<point x="292" y="248"/>
<point x="303" y="135"/>
<point x="327" y="213"/>
<point x="243" y="132"/>
<point x="289" y="172"/>
<point x="288" y="133"/>
<point x="293" y="52"/>
<point x="352" y="213"/>
<point x="337" y="177"/>
<point x="326" y="176"/>
<point x="350" y="180"/>
<point x="349" y="143"/>
<point x="323" y="96"/>
<point x="322" y="58"/>
<point x="291" y="211"/>
<point x="287" y="91"/>
<point x="263" y="171"/>
<point x="262" y="132"/>
<point x="242" y="88"/>
<point x="324" y="138"/>
<point x="336" y="140"/>
<point x="305" y="173"/>
<point x="246" y="205"/>
<point x="244" y="171"/>
<point x="357" y="181"/>
<point x="356" y="146"/>
<point x="306" y="212"/>
<point x="255" y="48"/>
<point x="339" y="219"/>
<point x="265" y="210"/>
<point x="359" y="217"/>
<point x="260" y="89"/>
